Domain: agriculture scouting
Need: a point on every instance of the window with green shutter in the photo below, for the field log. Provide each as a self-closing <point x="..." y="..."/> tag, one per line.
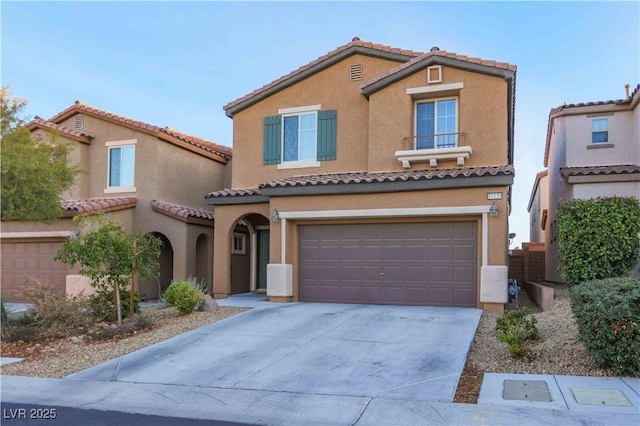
<point x="300" y="137"/>
<point x="272" y="132"/>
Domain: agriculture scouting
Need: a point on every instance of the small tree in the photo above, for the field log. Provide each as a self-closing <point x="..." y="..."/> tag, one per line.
<point x="109" y="255"/>
<point x="598" y="238"/>
<point x="34" y="173"/>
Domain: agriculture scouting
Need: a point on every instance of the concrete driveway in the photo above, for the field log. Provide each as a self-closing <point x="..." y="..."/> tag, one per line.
<point x="392" y="352"/>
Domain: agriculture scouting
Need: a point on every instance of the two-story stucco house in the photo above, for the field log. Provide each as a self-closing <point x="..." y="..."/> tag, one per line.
<point x="372" y="175"/>
<point x="150" y="179"/>
<point x="592" y="150"/>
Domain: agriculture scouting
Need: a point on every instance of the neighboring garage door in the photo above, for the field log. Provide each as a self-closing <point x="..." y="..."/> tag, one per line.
<point x="25" y="262"/>
<point x="431" y="263"/>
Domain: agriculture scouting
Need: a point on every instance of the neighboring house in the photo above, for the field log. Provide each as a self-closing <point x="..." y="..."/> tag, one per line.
<point x="148" y="178"/>
<point x="592" y="150"/>
<point x="372" y="175"/>
<point x="538" y="208"/>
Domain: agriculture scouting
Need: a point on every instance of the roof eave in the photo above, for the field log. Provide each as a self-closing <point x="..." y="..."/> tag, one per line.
<point x="230" y="111"/>
<point x="385" y="187"/>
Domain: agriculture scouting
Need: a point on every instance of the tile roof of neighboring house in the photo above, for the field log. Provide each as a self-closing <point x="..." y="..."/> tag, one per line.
<point x="40" y="123"/>
<point x="355" y="46"/>
<point x="168" y="134"/>
<point x="599" y="170"/>
<point x="234" y="193"/>
<point x="632" y="101"/>
<point x="181" y="212"/>
<point x="379" y="177"/>
<point x="97" y="205"/>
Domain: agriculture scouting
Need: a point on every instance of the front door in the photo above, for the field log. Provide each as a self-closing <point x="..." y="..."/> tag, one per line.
<point x="263" y="259"/>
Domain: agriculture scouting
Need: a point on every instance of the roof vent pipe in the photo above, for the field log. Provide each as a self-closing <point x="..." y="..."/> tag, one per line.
<point x="627" y="87"/>
<point x="434" y="49"/>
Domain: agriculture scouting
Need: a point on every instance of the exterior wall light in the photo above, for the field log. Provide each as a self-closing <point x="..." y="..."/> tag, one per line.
<point x="493" y="210"/>
<point x="275" y="216"/>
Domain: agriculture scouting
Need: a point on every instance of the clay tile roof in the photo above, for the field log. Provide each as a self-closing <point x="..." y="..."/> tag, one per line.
<point x="182" y="212"/>
<point x="355" y="43"/>
<point x="367" y="177"/>
<point x="164" y="133"/>
<point x="40" y="123"/>
<point x="97" y="205"/>
<point x="233" y="193"/>
<point x="599" y="170"/>
<point x="199" y="142"/>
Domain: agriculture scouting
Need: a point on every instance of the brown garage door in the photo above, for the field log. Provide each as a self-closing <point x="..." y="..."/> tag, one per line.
<point x="401" y="263"/>
<point x="24" y="262"/>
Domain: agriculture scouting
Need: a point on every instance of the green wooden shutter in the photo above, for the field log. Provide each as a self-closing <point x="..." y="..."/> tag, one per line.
<point x="327" y="135"/>
<point x="272" y="136"/>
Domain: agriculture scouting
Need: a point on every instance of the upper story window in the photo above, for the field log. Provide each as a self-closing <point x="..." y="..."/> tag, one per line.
<point x="300" y="137"/>
<point x="121" y="166"/>
<point x="436" y="124"/>
<point x="600" y="130"/>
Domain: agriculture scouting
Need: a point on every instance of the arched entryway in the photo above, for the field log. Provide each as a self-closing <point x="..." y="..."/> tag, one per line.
<point x="152" y="288"/>
<point x="249" y="254"/>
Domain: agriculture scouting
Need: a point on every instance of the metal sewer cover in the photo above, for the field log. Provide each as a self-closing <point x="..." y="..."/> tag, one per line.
<point x="526" y="390"/>
<point x="602" y="397"/>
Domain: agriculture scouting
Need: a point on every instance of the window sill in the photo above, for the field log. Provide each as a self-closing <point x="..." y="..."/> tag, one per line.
<point x="119" y="189"/>
<point x="298" y="164"/>
<point x="459" y="153"/>
<point x="600" y="145"/>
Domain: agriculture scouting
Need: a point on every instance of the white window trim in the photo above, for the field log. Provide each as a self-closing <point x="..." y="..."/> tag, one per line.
<point x="121" y="143"/>
<point x="118" y="189"/>
<point x="434" y="89"/>
<point x="297" y="110"/>
<point x="243" y="243"/>
<point x="298" y="164"/>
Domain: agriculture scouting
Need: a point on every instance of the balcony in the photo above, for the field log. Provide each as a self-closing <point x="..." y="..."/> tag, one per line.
<point x="434" y="148"/>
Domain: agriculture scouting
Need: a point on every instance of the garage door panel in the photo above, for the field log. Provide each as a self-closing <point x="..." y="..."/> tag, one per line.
<point x="24" y="264"/>
<point x="400" y="263"/>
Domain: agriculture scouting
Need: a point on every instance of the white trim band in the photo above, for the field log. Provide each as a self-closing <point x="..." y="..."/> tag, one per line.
<point x="294" y="110"/>
<point x="434" y="89"/>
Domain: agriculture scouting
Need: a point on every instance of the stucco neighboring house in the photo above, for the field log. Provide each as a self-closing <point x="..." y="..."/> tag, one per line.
<point x="150" y="179"/>
<point x="592" y="150"/>
<point x="538" y="208"/>
<point x="372" y="175"/>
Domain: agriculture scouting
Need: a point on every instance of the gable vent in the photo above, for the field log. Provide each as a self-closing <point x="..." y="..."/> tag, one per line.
<point x="79" y="122"/>
<point x="355" y="72"/>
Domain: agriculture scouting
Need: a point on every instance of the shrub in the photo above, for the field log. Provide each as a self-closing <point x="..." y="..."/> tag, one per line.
<point x="55" y="314"/>
<point x="516" y="331"/>
<point x="607" y="313"/>
<point x="200" y="285"/>
<point x="598" y="238"/>
<point x="103" y="304"/>
<point x="184" y="297"/>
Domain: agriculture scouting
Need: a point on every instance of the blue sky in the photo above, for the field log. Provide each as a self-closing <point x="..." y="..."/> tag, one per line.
<point x="178" y="63"/>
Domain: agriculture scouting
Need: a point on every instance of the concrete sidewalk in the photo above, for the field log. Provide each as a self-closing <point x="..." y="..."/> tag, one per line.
<point x="285" y="408"/>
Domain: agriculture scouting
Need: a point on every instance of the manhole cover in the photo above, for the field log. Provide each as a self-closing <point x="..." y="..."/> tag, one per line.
<point x="526" y="390"/>
<point x="602" y="397"/>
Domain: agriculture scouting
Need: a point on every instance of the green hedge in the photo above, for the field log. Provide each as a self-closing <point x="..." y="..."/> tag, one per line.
<point x="608" y="316"/>
<point x="598" y="238"/>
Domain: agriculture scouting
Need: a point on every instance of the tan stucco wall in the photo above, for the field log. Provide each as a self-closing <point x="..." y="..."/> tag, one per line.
<point x="331" y="89"/>
<point x="482" y="112"/>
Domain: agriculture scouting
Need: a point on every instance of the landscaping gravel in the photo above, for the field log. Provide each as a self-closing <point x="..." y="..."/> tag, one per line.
<point x="55" y="358"/>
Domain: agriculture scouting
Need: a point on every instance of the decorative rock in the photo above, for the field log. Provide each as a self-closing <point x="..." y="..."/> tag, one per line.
<point x="208" y="304"/>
